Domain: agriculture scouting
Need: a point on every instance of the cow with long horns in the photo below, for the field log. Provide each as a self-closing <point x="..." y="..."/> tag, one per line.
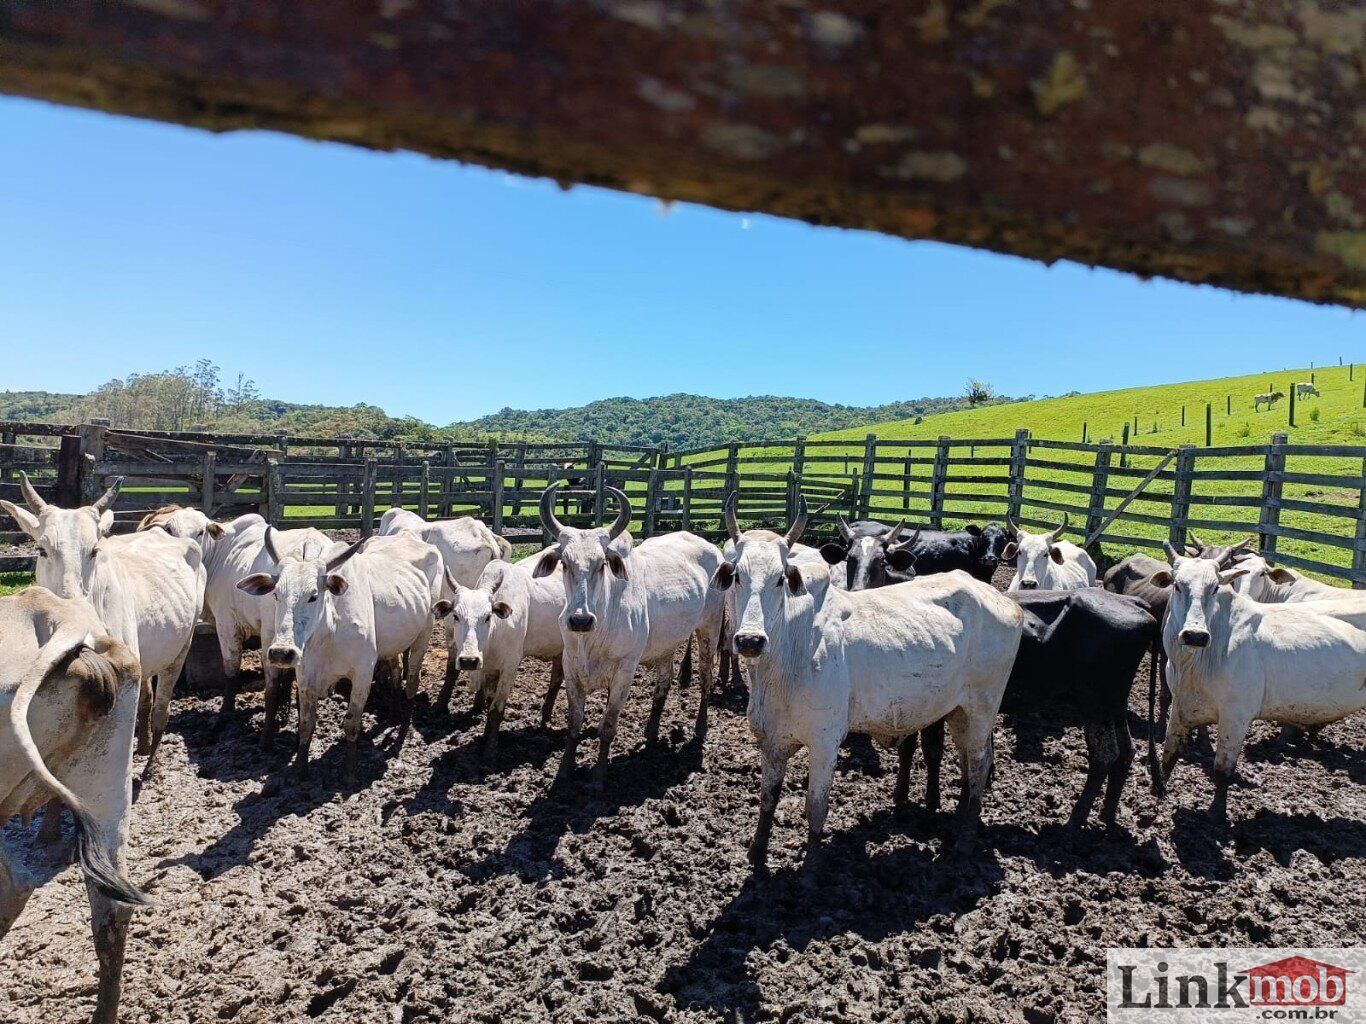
<point x="1043" y="562"/>
<point x="147" y="588"/>
<point x="628" y="604"/>
<point x="339" y="612"/>
<point x="885" y="662"/>
<point x="872" y="554"/>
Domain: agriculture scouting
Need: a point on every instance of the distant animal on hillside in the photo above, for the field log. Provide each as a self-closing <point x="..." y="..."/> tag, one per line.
<point x="1304" y="390"/>
<point x="1268" y="398"/>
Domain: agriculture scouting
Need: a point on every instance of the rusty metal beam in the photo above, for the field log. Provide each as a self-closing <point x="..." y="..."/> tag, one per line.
<point x="1215" y="141"/>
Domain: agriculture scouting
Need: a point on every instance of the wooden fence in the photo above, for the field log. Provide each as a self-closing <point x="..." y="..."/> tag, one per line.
<point x="1306" y="503"/>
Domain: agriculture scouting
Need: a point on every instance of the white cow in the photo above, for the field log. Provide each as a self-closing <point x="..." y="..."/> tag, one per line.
<point x="147" y="589"/>
<point x="1305" y="390"/>
<point x="68" y="702"/>
<point x="1042" y="562"/>
<point x="1279" y="585"/>
<point x="1232" y="660"/>
<point x="627" y="605"/>
<point x="466" y="546"/>
<point x="886" y="662"/>
<point x="232" y="552"/>
<point x="338" y="613"/>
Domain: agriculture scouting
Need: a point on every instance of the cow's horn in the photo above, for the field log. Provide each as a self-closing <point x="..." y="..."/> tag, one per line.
<point x="1014" y="530"/>
<point x="623" y="519"/>
<point x="450" y="580"/>
<point x="1059" y="531"/>
<point x="552" y="525"/>
<point x="732" y="527"/>
<point x="794" y="532"/>
<point x="271" y="550"/>
<point x="1171" y="551"/>
<point x="34" y="502"/>
<point x="890" y="538"/>
<point x="845" y="531"/>
<point x="909" y="543"/>
<point x="106" y="499"/>
<point x="1195" y="541"/>
<point x="340" y="560"/>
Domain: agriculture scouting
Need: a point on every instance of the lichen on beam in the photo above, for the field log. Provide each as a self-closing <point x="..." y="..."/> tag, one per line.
<point x="1216" y="141"/>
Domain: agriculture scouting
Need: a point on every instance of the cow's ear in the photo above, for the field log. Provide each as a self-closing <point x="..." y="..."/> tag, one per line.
<point x="441" y="609"/>
<point x="258" y="584"/>
<point x="1055" y="553"/>
<point x="617" y="564"/>
<point x="724" y="576"/>
<point x="900" y="559"/>
<point x="27" y="521"/>
<point x="1280" y="574"/>
<point x="215" y="529"/>
<point x="547" y="564"/>
<point x="1162" y="578"/>
<point x="336" y="584"/>
<point x="975" y="531"/>
<point x="1225" y="578"/>
<point x="106" y="522"/>
<point x="795" y="583"/>
<point x="502" y="609"/>
<point x="834" y="553"/>
<point x="1009" y="552"/>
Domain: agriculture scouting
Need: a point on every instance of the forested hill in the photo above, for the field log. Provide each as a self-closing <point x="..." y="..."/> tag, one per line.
<point x="686" y="421"/>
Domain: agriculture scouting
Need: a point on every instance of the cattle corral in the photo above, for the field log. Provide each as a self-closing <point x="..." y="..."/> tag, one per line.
<point x="444" y="888"/>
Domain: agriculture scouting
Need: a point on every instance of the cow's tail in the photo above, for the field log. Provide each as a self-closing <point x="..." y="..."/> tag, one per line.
<point x="98" y="868"/>
<point x="1153" y="768"/>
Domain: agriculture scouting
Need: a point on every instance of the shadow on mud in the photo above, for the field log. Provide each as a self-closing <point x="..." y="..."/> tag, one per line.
<point x="1210" y="849"/>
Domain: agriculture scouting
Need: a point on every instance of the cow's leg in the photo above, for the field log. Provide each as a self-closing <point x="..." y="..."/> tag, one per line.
<point x="823" y="753"/>
<point x="706" y="662"/>
<point x="932" y="742"/>
<point x="276" y="694"/>
<point x="1119" y="771"/>
<point x="663" y="674"/>
<point x="1233" y="726"/>
<point x="452" y="677"/>
<point x="109" y="928"/>
<point x="144" y="722"/>
<point x="161" y="707"/>
<point x="607" y="728"/>
<point x="412" y="682"/>
<point x="574" y="720"/>
<point x="905" y="754"/>
<point x="308" y="721"/>
<point x="355" y="717"/>
<point x="15" y="889"/>
<point x="773" y="761"/>
<point x="552" y="691"/>
<point x="1100" y="756"/>
<point x="498" y="684"/>
<point x="51" y="828"/>
<point x="1173" y="743"/>
<point x="971" y="735"/>
<point x="230" y="648"/>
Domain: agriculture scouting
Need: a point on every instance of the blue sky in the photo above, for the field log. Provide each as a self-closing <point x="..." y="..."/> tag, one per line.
<point x="331" y="274"/>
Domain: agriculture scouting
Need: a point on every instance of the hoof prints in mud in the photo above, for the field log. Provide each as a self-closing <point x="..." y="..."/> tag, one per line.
<point x="447" y="888"/>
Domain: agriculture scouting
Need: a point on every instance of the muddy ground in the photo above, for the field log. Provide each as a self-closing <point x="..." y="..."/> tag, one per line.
<point x="444" y="889"/>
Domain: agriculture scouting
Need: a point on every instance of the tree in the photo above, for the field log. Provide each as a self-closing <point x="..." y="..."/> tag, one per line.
<point x="978" y="393"/>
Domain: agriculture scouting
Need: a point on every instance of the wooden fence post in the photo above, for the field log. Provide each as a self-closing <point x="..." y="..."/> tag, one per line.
<point x="1228" y="405"/>
<point x="869" y="472"/>
<point x="340" y="507"/>
<point x="1124" y="440"/>
<point x="210" y="467"/>
<point x="1209" y="424"/>
<point x="496" y="496"/>
<point x="367" y="501"/>
<point x="448" y="483"/>
<point x="799" y="454"/>
<point x="1292" y="402"/>
<point x="1270" y="518"/>
<point x="1100" y="480"/>
<point x="790" y="495"/>
<point x="425" y="482"/>
<point x="941" y="469"/>
<point x="686" y="522"/>
<point x="651" y="503"/>
<point x="732" y="462"/>
<point x="1181" y="497"/>
<point x="1019" y="458"/>
<point x="599" y="493"/>
<point x="906" y="482"/>
<point x="855" y="490"/>
<point x="275" y="493"/>
<point x="1359" y="549"/>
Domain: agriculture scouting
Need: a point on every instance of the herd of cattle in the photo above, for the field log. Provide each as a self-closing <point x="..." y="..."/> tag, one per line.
<point x="877" y="633"/>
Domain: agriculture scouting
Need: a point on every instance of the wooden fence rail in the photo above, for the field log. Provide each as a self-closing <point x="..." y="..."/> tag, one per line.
<point x="1305" y="503"/>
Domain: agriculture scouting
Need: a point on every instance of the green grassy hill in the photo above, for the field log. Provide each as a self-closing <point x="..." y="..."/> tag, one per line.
<point x="1341" y="417"/>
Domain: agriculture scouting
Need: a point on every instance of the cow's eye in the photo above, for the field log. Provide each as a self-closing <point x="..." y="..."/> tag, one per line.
<point x="312" y="597"/>
<point x="455" y="616"/>
<point x="488" y="618"/>
<point x="42" y="553"/>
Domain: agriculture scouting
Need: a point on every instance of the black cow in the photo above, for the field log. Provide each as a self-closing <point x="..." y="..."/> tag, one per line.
<point x="978" y="551"/>
<point x="872" y="553"/>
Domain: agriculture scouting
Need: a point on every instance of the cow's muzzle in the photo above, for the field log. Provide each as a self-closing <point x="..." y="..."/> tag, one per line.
<point x="1195" y="637"/>
<point x="1029" y="584"/>
<point x="282" y="657"/>
<point x="750" y="645"/>
<point x="469" y="662"/>
<point x="581" y="622"/>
